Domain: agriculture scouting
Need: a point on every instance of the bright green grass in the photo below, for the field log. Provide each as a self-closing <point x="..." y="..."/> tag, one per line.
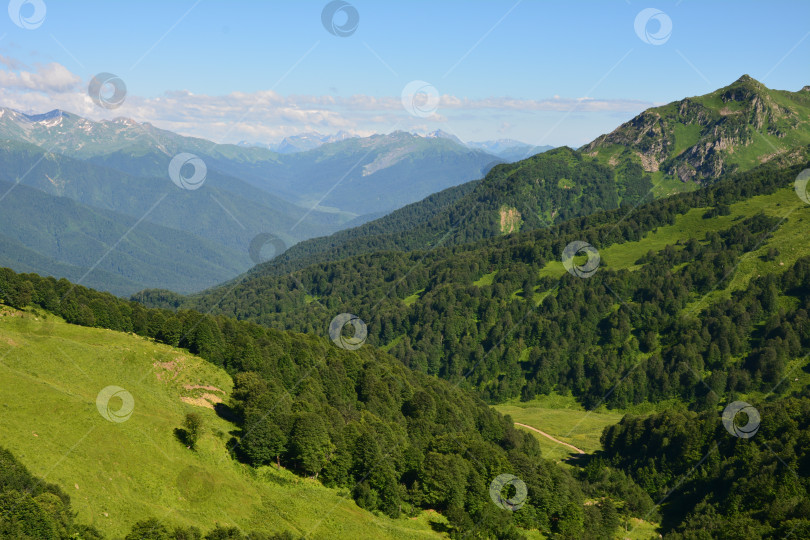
<point x="686" y="135"/>
<point x="486" y="279"/>
<point x="394" y="341"/>
<point x="665" y="185"/>
<point x="408" y="300"/>
<point x="789" y="238"/>
<point x="638" y="529"/>
<point x="565" y="183"/>
<point x="118" y="473"/>
<point x="563" y="418"/>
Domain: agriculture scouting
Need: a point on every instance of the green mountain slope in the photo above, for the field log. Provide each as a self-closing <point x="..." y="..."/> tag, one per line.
<point x="198" y="238"/>
<point x="13" y="254"/>
<point x="535" y="193"/>
<point x="662" y="151"/>
<point x="59" y="236"/>
<point x="497" y="315"/>
<point x="701" y="138"/>
<point x="119" y="473"/>
<point x="396" y="441"/>
<point x="392" y="231"/>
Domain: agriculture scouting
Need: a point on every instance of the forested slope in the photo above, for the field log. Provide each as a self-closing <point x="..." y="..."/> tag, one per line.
<point x="398" y="441"/>
<point x="674" y="299"/>
<point x="664" y="150"/>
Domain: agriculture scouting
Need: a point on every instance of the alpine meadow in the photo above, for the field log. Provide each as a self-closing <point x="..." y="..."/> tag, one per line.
<point x="404" y="270"/>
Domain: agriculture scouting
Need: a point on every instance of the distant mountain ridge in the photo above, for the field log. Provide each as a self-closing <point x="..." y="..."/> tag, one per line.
<point x="301" y="143"/>
<point x="507" y="149"/>
<point x="355" y="176"/>
<point x="510" y="149"/>
<point x="121" y="166"/>
<point x="616" y="168"/>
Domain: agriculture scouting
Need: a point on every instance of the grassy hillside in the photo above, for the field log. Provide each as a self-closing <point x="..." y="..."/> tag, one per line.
<point x="699" y="139"/>
<point x="119" y="473"/>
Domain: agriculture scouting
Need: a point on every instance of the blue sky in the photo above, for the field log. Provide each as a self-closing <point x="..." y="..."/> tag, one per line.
<point x="259" y="70"/>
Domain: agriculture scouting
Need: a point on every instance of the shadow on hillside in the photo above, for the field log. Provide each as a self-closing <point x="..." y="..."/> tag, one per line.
<point x="579" y="460"/>
<point x="439" y="527"/>
<point x="183" y="436"/>
<point x="226" y="413"/>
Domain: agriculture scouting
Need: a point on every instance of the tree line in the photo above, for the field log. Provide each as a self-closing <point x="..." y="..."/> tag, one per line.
<point x="400" y="441"/>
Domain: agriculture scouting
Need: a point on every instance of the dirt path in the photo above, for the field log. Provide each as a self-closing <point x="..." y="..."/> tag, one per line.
<point x="544" y="434"/>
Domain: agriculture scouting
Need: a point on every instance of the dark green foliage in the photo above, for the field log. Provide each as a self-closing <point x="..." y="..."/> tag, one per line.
<point x="190" y="533"/>
<point x="33" y="509"/>
<point x="149" y="529"/>
<point x="309" y="443"/>
<point x="358" y="420"/>
<point x="726" y="486"/>
<point x="585" y="337"/>
<point x="193" y="426"/>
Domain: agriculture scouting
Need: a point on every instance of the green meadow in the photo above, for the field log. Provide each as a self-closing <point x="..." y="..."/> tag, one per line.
<point x="118" y="473"/>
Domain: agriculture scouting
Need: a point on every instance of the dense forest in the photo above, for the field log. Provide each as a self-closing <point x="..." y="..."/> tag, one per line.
<point x="718" y="485"/>
<point x="399" y="440"/>
<point x="520" y="335"/>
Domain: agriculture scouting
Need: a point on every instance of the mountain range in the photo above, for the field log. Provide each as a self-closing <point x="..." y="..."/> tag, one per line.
<point x="121" y="166"/>
<point x="561" y="184"/>
<point x="662" y="340"/>
<point x="507" y="149"/>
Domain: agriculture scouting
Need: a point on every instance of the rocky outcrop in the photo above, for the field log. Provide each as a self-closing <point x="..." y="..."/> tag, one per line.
<point x="749" y="111"/>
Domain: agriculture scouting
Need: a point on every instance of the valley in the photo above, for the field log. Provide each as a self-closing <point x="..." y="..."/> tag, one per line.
<point x="338" y="270"/>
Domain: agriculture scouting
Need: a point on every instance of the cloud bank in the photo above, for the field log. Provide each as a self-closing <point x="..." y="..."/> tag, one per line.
<point x="266" y="116"/>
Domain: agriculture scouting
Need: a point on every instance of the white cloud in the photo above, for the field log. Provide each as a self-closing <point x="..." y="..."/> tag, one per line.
<point x="266" y="115"/>
<point x="48" y="78"/>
